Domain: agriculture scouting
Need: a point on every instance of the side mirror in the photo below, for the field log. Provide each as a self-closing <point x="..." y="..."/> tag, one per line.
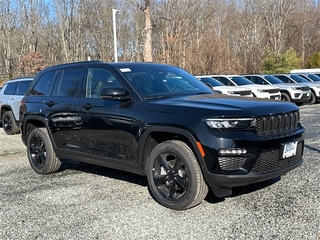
<point x="114" y="93"/>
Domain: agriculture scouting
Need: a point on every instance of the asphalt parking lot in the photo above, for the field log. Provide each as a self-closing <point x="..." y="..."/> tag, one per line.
<point x="83" y="201"/>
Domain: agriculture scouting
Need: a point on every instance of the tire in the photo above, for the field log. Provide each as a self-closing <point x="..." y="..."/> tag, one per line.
<point x="312" y="99"/>
<point x="9" y="124"/>
<point x="174" y="176"/>
<point x="41" y="155"/>
<point x="285" y="97"/>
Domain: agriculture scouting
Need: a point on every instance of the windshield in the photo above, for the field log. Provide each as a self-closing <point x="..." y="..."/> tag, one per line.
<point x="211" y="81"/>
<point x="314" y="77"/>
<point x="298" y="78"/>
<point x="239" y="80"/>
<point x="163" y="81"/>
<point x="273" y="80"/>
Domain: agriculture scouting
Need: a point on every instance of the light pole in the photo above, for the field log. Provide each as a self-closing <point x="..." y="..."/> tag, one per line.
<point x="115" y="34"/>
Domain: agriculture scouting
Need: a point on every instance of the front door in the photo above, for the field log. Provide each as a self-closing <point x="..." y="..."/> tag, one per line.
<point x="106" y="124"/>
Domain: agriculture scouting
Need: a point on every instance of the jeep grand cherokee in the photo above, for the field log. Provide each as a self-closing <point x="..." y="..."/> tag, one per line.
<point x="159" y="121"/>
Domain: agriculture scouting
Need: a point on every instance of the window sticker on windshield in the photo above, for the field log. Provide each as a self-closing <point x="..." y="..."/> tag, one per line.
<point x="125" y="70"/>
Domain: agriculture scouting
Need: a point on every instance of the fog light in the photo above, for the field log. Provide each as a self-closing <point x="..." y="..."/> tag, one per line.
<point x="232" y="151"/>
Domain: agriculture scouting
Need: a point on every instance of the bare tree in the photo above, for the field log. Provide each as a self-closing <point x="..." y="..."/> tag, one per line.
<point x="276" y="15"/>
<point x="147" y="47"/>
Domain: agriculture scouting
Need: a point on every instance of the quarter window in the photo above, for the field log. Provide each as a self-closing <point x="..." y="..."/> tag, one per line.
<point x="43" y="86"/>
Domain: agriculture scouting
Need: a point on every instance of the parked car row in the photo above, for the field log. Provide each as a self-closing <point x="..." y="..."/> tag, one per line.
<point x="296" y="88"/>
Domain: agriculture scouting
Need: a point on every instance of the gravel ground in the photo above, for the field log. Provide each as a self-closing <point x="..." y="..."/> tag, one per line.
<point x="83" y="201"/>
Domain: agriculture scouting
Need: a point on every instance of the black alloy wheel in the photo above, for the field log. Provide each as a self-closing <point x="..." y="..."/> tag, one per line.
<point x="9" y="124"/>
<point x="41" y="155"/>
<point x="174" y="176"/>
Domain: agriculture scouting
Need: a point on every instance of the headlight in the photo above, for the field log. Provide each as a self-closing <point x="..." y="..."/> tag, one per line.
<point x="235" y="123"/>
<point x="295" y="88"/>
<point x="317" y="86"/>
<point x="260" y="90"/>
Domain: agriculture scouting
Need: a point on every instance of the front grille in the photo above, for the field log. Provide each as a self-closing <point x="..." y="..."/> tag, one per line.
<point x="273" y="90"/>
<point x="231" y="163"/>
<point x="244" y="93"/>
<point x="305" y="88"/>
<point x="273" y="97"/>
<point x="276" y="124"/>
<point x="269" y="161"/>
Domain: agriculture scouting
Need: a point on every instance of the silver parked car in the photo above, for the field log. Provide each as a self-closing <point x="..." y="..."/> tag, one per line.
<point x="10" y="99"/>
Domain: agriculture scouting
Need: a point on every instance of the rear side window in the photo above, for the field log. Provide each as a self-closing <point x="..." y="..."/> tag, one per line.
<point x="44" y="84"/>
<point x="22" y="87"/>
<point x="68" y="83"/>
<point x="10" y="88"/>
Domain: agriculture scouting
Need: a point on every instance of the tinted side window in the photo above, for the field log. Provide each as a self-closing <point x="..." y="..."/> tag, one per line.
<point x="44" y="84"/>
<point x="257" y="80"/>
<point x="99" y="78"/>
<point x="284" y="79"/>
<point x="69" y="84"/>
<point x="22" y="87"/>
<point x="224" y="81"/>
<point x="10" y="88"/>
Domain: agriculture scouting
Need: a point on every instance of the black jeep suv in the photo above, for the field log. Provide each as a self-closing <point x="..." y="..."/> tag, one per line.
<point x="160" y="121"/>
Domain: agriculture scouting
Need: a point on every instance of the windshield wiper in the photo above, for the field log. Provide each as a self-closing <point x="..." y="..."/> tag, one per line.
<point x="156" y="97"/>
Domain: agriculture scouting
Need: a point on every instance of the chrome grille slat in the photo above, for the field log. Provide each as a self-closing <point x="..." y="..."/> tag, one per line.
<point x="242" y="93"/>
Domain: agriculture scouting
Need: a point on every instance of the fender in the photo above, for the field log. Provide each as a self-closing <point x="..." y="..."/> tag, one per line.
<point x="31" y="118"/>
<point x="167" y="129"/>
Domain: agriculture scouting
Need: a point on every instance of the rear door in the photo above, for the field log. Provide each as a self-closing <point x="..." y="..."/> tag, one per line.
<point x="55" y="97"/>
<point x="15" y="99"/>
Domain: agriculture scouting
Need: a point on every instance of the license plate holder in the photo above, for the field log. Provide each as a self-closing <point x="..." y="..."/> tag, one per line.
<point x="288" y="149"/>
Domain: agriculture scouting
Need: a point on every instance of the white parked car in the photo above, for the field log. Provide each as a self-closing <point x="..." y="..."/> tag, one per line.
<point x="293" y="92"/>
<point x="295" y="78"/>
<point x="221" y="88"/>
<point x="259" y="91"/>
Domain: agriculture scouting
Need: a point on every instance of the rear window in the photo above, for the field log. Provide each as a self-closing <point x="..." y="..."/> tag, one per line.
<point x="9" y="90"/>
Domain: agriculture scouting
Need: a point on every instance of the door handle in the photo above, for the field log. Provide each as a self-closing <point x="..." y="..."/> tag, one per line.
<point x="50" y="104"/>
<point x="87" y="106"/>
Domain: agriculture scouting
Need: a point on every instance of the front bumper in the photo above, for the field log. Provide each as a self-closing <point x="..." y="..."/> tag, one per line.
<point x="262" y="161"/>
<point x="298" y="97"/>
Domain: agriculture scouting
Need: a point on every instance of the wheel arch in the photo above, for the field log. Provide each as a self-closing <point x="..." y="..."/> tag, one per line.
<point x="31" y="122"/>
<point x="5" y="108"/>
<point x="157" y="134"/>
<point x="286" y="92"/>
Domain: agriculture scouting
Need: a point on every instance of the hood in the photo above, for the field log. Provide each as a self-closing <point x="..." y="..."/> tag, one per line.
<point x="232" y="88"/>
<point x="259" y="86"/>
<point x="313" y="84"/>
<point x="220" y="105"/>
